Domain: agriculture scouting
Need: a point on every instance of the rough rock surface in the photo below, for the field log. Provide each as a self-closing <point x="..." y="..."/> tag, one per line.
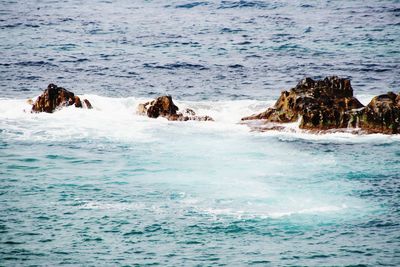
<point x="382" y="114"/>
<point x="329" y="104"/>
<point x="164" y="106"/>
<point x="55" y="97"/>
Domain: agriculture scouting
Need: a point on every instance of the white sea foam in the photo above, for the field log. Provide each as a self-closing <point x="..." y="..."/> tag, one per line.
<point x="229" y="208"/>
<point x="112" y="206"/>
<point x="116" y="119"/>
<point x="244" y="212"/>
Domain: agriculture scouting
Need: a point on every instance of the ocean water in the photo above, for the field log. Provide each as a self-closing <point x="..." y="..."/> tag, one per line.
<point x="106" y="187"/>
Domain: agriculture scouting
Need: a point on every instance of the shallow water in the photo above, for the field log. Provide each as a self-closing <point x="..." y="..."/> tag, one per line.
<point x="109" y="187"/>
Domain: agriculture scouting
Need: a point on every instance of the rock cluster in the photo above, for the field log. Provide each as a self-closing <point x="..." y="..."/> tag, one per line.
<point x="164" y="106"/>
<point x="55" y="97"/>
<point x="329" y="104"/>
<point x="318" y="105"/>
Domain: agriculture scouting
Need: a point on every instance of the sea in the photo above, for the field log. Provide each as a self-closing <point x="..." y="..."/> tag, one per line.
<point x="107" y="187"/>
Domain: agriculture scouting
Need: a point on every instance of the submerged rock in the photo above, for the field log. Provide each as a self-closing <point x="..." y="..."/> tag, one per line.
<point x="164" y="106"/>
<point x="55" y="97"/>
<point x="329" y="104"/>
<point x="87" y="104"/>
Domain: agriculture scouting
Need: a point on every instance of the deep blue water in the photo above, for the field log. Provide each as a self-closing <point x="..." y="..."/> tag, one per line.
<point x="106" y="187"/>
<point x="196" y="50"/>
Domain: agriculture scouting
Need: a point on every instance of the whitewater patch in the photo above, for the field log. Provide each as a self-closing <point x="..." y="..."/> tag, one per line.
<point x="215" y="209"/>
<point x="115" y="119"/>
<point x="246" y="214"/>
<point x="230" y="208"/>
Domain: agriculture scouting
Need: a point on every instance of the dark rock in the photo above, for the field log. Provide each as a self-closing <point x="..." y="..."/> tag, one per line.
<point x="161" y="106"/>
<point x="322" y="104"/>
<point x="189" y="112"/>
<point x="78" y="102"/>
<point x="55" y="97"/>
<point x="164" y="106"/>
<point x="52" y="98"/>
<point x="329" y="105"/>
<point x="88" y="105"/>
<point x="382" y="114"/>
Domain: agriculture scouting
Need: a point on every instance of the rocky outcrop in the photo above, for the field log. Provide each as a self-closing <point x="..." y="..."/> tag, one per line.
<point x="164" y="106"/>
<point x="329" y="104"/>
<point x="382" y="114"/>
<point x="323" y="104"/>
<point x="55" y="97"/>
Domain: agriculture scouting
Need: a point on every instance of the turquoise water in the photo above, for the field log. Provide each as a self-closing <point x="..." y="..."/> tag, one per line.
<point x="106" y="187"/>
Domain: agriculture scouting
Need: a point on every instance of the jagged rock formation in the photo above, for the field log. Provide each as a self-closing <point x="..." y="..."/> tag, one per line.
<point x="329" y="104"/>
<point x="164" y="106"/>
<point x="55" y="97"/>
<point x="382" y="114"/>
